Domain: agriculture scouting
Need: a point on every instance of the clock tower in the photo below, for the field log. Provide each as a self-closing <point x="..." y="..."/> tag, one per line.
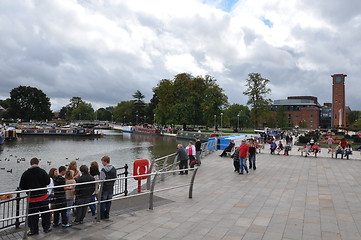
<point x="338" y="100"/>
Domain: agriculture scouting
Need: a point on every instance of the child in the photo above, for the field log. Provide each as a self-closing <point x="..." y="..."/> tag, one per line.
<point x="235" y="157"/>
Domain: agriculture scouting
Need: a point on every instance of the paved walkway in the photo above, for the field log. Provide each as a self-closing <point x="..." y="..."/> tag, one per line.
<point x="287" y="197"/>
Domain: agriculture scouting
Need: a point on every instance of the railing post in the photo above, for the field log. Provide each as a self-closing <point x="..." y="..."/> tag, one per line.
<point x="175" y="163"/>
<point x="25" y="236"/>
<point x="192" y="182"/>
<point x="17" y="221"/>
<point x="126" y="180"/>
<point x="162" y="178"/>
<point x="99" y="205"/>
<point x="151" y="193"/>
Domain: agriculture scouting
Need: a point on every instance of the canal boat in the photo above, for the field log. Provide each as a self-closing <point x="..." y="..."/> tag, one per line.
<point x="57" y="131"/>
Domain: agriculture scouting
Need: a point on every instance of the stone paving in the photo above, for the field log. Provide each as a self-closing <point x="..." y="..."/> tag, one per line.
<point x="286" y="198"/>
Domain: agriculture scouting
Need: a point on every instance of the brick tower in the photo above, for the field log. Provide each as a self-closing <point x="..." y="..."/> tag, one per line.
<point x="338" y="100"/>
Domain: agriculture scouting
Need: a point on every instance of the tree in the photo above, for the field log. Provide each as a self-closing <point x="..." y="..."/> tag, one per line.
<point x="29" y="103"/>
<point x="256" y="92"/>
<point x="104" y="114"/>
<point x="281" y="117"/>
<point x="84" y="111"/>
<point x="237" y="116"/>
<point x="352" y="116"/>
<point x="123" y="112"/>
<point x="188" y="100"/>
<point x="139" y="105"/>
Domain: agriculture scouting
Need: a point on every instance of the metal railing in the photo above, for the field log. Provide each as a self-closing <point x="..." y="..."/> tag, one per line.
<point x="170" y="161"/>
<point x="24" y="215"/>
<point x="12" y="208"/>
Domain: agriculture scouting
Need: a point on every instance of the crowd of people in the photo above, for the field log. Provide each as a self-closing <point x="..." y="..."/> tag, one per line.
<point x="191" y="154"/>
<point x="70" y="187"/>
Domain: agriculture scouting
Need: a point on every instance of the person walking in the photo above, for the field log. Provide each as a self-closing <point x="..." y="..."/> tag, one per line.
<point x="198" y="146"/>
<point x="243" y="155"/>
<point x="252" y="154"/>
<point x="83" y="193"/>
<point x="182" y="158"/>
<point x="36" y="177"/>
<point x="108" y="172"/>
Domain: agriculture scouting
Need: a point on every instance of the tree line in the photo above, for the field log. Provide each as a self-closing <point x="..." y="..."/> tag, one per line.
<point x="183" y="100"/>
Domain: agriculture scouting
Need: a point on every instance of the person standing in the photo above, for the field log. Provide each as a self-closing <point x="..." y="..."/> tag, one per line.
<point x="329" y="142"/>
<point x="94" y="171"/>
<point x="182" y="158"/>
<point x="191" y="150"/>
<point x="252" y="154"/>
<point x="243" y="155"/>
<point x="60" y="200"/>
<point x="36" y="177"/>
<point x="198" y="151"/>
<point x="83" y="193"/>
<point x="108" y="172"/>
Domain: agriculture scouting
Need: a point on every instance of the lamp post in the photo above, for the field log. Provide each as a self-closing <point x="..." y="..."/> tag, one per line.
<point x="215" y="117"/>
<point x="238" y="122"/>
<point x="154" y="119"/>
<point x="124" y="120"/>
<point x="145" y="119"/>
<point x="221" y="120"/>
<point x="136" y="119"/>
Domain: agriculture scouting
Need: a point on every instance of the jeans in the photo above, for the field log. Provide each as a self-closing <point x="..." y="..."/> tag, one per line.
<point x="93" y="207"/>
<point x="242" y="164"/>
<point x="35" y="207"/>
<point x="105" y="207"/>
<point x="69" y="203"/>
<point x="252" y="161"/>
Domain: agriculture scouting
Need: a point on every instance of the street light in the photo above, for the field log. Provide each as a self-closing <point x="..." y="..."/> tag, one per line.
<point x="145" y="119"/>
<point x="154" y="119"/>
<point x="221" y="120"/>
<point x="215" y="117"/>
<point x="238" y="122"/>
<point x="136" y="119"/>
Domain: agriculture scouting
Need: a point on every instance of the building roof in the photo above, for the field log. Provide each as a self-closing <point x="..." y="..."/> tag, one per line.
<point x="298" y="102"/>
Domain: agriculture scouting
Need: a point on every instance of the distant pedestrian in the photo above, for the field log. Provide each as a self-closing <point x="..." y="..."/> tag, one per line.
<point x="229" y="148"/>
<point x="235" y="157"/>
<point x="108" y="172"/>
<point x="182" y="158"/>
<point x="83" y="193"/>
<point x="329" y="142"/>
<point x="243" y="155"/>
<point x="36" y="177"/>
<point x="252" y="154"/>
<point x="191" y="150"/>
<point x="198" y="146"/>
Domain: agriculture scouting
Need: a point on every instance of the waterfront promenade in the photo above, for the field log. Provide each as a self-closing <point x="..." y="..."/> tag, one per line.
<point x="287" y="197"/>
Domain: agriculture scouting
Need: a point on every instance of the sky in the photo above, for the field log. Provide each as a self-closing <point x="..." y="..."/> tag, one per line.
<point x="105" y="50"/>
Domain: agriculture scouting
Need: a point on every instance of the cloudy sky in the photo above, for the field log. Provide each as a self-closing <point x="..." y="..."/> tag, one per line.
<point x="105" y="50"/>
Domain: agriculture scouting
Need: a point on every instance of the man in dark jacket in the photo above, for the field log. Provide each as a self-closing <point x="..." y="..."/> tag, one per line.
<point x="60" y="200"/>
<point x="198" y="146"/>
<point x="182" y="158"/>
<point x="36" y="177"/>
<point x="108" y="172"/>
<point x="83" y="193"/>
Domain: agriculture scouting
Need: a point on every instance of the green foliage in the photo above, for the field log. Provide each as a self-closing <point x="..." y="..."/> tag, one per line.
<point x="104" y="114"/>
<point x="256" y="91"/>
<point x="29" y="103"/>
<point x="123" y="112"/>
<point x="281" y="117"/>
<point x="237" y="116"/>
<point x="188" y="100"/>
<point x="84" y="111"/>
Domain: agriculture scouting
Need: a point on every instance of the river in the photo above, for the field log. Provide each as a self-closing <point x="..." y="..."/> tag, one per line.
<point x="54" y="151"/>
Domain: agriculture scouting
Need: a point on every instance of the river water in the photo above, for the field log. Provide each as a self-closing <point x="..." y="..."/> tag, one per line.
<point x="54" y="151"/>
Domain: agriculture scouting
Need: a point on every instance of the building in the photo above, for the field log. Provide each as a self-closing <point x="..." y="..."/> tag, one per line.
<point x="302" y="111"/>
<point x="326" y="116"/>
<point x="338" y="100"/>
